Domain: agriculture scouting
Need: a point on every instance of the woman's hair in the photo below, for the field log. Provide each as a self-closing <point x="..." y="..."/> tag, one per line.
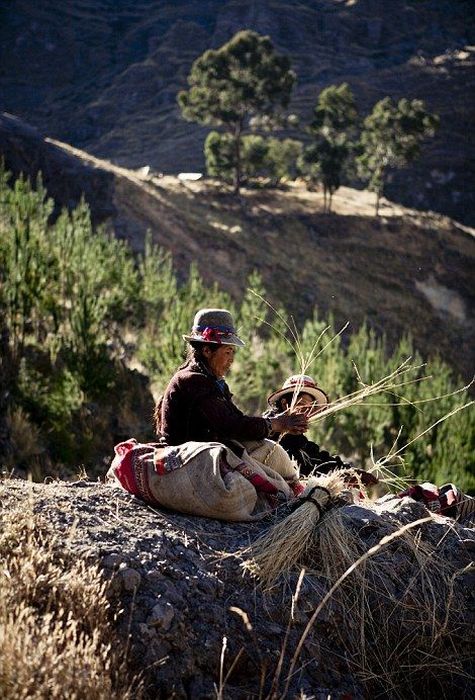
<point x="157" y="416"/>
<point x="194" y="354"/>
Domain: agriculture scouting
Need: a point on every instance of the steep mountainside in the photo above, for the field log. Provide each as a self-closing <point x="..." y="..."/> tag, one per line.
<point x="405" y="271"/>
<point x="104" y="75"/>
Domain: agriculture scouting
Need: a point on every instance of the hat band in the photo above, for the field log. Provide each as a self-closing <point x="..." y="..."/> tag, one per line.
<point x="214" y="334"/>
<point x="300" y="384"/>
<point x="223" y="329"/>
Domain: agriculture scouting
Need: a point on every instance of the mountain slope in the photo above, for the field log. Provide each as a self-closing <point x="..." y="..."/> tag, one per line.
<point x="104" y="75"/>
<point x="406" y="271"/>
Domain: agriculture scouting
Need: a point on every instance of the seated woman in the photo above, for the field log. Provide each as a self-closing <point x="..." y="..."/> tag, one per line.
<point x="198" y="405"/>
<point x="308" y="455"/>
<point x="212" y="459"/>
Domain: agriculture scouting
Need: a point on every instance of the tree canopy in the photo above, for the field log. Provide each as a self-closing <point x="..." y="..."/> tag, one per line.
<point x="263" y="158"/>
<point x="335" y="111"/>
<point x="392" y="137"/>
<point x="245" y="77"/>
<point x="332" y="128"/>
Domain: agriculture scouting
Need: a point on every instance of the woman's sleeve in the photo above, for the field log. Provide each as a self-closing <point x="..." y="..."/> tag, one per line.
<point x="323" y="459"/>
<point x="228" y="422"/>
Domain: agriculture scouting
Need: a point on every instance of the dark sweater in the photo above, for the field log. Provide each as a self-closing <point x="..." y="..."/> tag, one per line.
<point x="307" y="453"/>
<point x="309" y="456"/>
<point x="197" y="407"/>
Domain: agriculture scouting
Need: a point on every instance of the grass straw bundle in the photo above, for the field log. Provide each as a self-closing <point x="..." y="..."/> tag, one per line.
<point x="402" y="635"/>
<point x="278" y="551"/>
<point x="397" y="606"/>
<point x="388" y="384"/>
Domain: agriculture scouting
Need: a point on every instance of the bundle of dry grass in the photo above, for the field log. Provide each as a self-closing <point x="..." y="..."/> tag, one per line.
<point x="56" y="635"/>
<point x="402" y="611"/>
<point x="391" y="383"/>
<point x="285" y="545"/>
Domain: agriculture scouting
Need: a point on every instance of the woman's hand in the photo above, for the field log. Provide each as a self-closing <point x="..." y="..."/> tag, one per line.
<point x="295" y="423"/>
<point x="367" y="478"/>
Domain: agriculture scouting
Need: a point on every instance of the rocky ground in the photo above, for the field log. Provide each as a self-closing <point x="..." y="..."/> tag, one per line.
<point x="202" y="628"/>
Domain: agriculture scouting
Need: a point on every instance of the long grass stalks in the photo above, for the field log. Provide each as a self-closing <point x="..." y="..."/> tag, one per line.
<point x="391" y="455"/>
<point x="330" y="593"/>
<point x="304" y="361"/>
<point x="285" y="544"/>
<point x="386" y="384"/>
<point x="381" y="466"/>
<point x="400" y="635"/>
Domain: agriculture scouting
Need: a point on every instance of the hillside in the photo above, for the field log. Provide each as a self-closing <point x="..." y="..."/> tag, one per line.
<point x="186" y="617"/>
<point x="104" y="76"/>
<point x="405" y="271"/>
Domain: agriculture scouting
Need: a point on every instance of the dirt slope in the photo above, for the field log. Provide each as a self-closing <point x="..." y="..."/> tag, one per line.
<point x="178" y="588"/>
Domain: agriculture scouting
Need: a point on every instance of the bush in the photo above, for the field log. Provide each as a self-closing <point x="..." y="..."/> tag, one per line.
<point x="282" y="158"/>
<point x="220" y="156"/>
<point x="262" y="158"/>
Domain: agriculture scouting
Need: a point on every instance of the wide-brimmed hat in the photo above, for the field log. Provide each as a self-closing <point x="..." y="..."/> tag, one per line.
<point x="214" y="326"/>
<point x="304" y="384"/>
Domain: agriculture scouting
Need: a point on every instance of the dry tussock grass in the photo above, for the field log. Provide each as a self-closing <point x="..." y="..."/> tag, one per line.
<point x="24" y="438"/>
<point x="287" y="543"/>
<point x="402" y="636"/>
<point x="403" y="628"/>
<point x="56" y="634"/>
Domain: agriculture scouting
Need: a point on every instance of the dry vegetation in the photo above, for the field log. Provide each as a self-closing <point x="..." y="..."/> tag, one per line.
<point x="375" y="601"/>
<point x="403" y="610"/>
<point x="56" y="633"/>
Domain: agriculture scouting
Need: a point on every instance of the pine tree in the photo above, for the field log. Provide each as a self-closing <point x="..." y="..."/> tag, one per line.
<point x="392" y="138"/>
<point x="245" y="77"/>
<point x="333" y="125"/>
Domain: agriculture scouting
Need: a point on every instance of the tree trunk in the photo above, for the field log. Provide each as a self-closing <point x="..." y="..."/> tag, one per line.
<point x="237" y="150"/>
<point x="380" y="189"/>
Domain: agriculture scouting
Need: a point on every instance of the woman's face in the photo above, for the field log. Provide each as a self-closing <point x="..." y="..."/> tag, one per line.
<point x="219" y="361"/>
